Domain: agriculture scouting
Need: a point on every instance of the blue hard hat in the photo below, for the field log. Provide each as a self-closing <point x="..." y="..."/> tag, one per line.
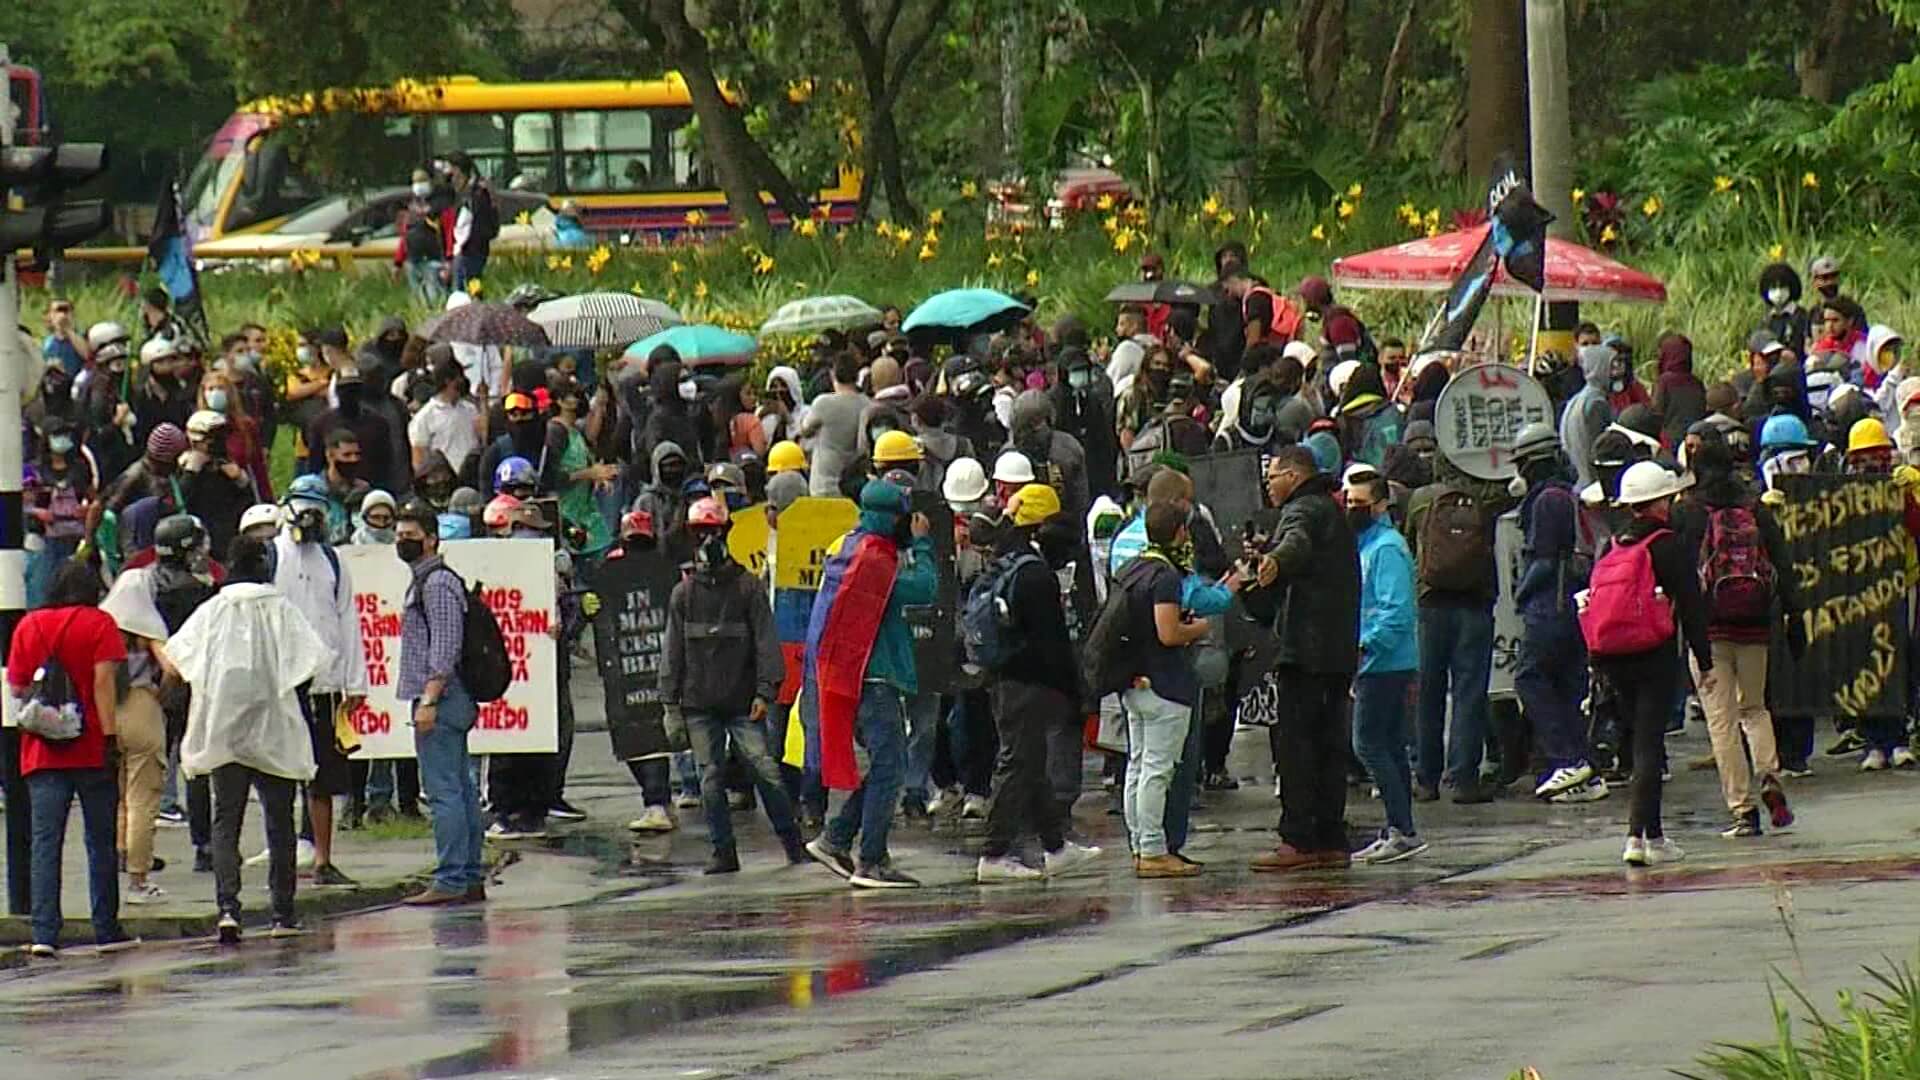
<point x="1784" y="432"/>
<point x="513" y="472"/>
<point x="309" y="487"/>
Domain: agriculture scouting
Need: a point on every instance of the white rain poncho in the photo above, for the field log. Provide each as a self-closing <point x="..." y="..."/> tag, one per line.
<point x="244" y="651"/>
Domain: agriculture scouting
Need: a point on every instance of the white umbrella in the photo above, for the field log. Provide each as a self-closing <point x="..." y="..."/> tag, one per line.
<point x="603" y="319"/>
<point x="817" y="313"/>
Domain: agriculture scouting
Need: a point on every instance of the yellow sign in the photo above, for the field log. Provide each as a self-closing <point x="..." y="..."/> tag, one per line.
<point x="747" y="540"/>
<point x="807" y="529"/>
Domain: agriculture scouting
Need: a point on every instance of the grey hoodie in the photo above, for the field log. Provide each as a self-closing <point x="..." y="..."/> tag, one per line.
<point x="668" y="506"/>
<point x="1062" y="462"/>
<point x="1588" y="412"/>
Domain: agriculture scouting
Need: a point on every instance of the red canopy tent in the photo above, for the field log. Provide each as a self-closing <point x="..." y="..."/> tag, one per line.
<point x="1430" y="264"/>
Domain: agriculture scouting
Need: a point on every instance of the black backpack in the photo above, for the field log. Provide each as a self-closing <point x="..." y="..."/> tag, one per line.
<point x="1110" y="655"/>
<point x="484" y="667"/>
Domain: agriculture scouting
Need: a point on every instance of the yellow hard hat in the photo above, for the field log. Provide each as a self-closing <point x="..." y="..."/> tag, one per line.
<point x="786" y="456"/>
<point x="895" y="446"/>
<point x="1034" y="504"/>
<point x="1868" y="434"/>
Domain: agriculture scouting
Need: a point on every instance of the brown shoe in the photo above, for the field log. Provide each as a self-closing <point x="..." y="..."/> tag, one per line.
<point x="1164" y="866"/>
<point x="1286" y="857"/>
<point x="476" y="894"/>
<point x="1337" y="859"/>
<point x="434" y="896"/>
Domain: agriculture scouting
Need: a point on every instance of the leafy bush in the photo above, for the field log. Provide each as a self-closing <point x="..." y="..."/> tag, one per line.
<point x="1874" y="1036"/>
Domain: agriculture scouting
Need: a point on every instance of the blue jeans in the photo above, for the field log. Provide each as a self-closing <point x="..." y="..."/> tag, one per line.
<point x="1551" y="679"/>
<point x="1456" y="661"/>
<point x="709" y="733"/>
<point x="51" y="793"/>
<point x="1379" y="741"/>
<point x="923" y="718"/>
<point x="1186" y="777"/>
<point x="423" y="281"/>
<point x="466" y="268"/>
<point x="1156" y="731"/>
<point x="881" y="727"/>
<point x="452" y="791"/>
<point x="41" y="566"/>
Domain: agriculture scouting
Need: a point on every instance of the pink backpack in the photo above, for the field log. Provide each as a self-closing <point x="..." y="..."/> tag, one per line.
<point x="1624" y="614"/>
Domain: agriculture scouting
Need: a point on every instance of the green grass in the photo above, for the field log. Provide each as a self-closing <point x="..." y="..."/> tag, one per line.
<point x="1873" y="1035"/>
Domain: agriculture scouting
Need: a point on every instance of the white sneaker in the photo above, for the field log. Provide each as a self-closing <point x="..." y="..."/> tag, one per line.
<point x="1593" y="790"/>
<point x="944" y="800"/>
<point x="685" y="801"/>
<point x="1565" y="777"/>
<point x="1371" y="851"/>
<point x="1902" y="758"/>
<point x="1392" y="847"/>
<point x="1664" y="850"/>
<point x="1070" y="856"/>
<point x="145" y="893"/>
<point x="1636" y="853"/>
<point x="304" y="857"/>
<point x="1004" y="868"/>
<point x="1874" y="761"/>
<point x="974" y="807"/>
<point x="652" y="819"/>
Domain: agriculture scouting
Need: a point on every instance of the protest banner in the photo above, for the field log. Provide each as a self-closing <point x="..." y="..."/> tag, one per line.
<point x="1480" y="411"/>
<point x="1847" y="544"/>
<point x="1507" y="628"/>
<point x="518" y="582"/>
<point x="627" y="632"/>
<point x="747" y="538"/>
<point x="807" y="529"/>
<point x="936" y="641"/>
<point x="1232" y="488"/>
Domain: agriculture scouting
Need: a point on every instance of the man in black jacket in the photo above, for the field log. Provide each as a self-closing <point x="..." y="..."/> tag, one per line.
<point x="1311" y="575"/>
<point x="476" y="221"/>
<point x="1036" y="693"/>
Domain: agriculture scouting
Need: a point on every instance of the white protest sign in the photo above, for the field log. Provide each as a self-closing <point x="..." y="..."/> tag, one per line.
<point x="1507" y="627"/>
<point x="1479" y="413"/>
<point x="517" y="576"/>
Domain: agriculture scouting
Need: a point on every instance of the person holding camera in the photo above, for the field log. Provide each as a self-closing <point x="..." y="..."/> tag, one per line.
<point x="217" y="489"/>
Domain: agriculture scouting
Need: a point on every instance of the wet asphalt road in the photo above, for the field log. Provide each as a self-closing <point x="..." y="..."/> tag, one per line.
<point x="1517" y="940"/>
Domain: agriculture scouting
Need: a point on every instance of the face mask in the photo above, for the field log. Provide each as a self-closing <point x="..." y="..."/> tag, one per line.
<point x="671" y="476"/>
<point x="1829" y="291"/>
<point x="61" y="444"/>
<point x="304" y="354"/>
<point x="382" y="536"/>
<point x="1080" y="378"/>
<point x="348" y="469"/>
<point x="217" y="400"/>
<point x="713" y="551"/>
<point x="1888" y="359"/>
<point x="1618" y="385"/>
<point x="1359" y="518"/>
<point x="422" y="189"/>
<point x="689" y="390"/>
<point x="1778" y="295"/>
<point x="310" y="525"/>
<point x="1517" y="487"/>
<point x="410" y="550"/>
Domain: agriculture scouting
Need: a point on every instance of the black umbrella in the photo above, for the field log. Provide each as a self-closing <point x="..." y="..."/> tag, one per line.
<point x="1163" y="292"/>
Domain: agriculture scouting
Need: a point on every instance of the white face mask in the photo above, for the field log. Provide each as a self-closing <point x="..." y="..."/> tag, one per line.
<point x="1778" y="295"/>
<point x="689" y="390"/>
<point x="1517" y="487"/>
<point x="304" y="354"/>
<point x="422" y="189"/>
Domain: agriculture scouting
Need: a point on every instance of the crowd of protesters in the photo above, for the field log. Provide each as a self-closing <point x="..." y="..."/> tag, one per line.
<point x="1093" y="581"/>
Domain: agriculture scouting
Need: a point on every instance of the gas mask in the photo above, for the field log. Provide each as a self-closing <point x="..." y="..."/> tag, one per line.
<point x="309" y="525"/>
<point x="711" y="549"/>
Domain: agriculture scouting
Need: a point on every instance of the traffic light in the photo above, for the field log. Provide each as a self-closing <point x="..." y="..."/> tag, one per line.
<point x="41" y="176"/>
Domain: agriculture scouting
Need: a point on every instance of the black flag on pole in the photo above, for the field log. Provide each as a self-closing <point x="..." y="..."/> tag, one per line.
<point x="1516" y="237"/>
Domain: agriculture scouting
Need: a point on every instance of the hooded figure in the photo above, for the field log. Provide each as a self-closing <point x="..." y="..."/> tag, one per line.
<point x="1084" y="408"/>
<point x="1369" y="423"/>
<point x="1789" y="322"/>
<point x="381" y="352"/>
<point x="1258" y="422"/>
<point x="666" y="500"/>
<point x="1884" y="345"/>
<point x="1058" y="459"/>
<point x="668" y="418"/>
<point x="1679" y="398"/>
<point x="1588" y="412"/>
<point x="1410" y="464"/>
<point x="1786" y="393"/>
<point x="781" y="418"/>
<point x="1907" y="404"/>
<point x="1624" y="389"/>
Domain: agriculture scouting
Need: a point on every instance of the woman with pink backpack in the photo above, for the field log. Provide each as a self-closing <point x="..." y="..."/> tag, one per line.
<point x="1644" y="590"/>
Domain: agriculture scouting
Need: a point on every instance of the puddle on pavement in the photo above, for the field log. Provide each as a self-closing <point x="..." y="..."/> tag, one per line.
<point x="1670" y="880"/>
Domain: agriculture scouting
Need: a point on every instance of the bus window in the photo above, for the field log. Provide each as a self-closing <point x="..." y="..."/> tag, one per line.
<point x="269" y="187"/>
<point x="532" y="152"/>
<point x="690" y="172"/>
<point x="609" y="151"/>
<point x="481" y="135"/>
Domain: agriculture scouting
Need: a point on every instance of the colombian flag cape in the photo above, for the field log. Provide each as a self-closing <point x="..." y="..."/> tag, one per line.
<point x="854" y="589"/>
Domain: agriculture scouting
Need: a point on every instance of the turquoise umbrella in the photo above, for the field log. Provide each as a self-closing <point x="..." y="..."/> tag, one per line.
<point x="965" y="311"/>
<point x="699" y="346"/>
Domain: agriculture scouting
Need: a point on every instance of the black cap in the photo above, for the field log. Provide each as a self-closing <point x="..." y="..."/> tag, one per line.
<point x="459" y="159"/>
<point x="157" y="297"/>
<point x="333" y="335"/>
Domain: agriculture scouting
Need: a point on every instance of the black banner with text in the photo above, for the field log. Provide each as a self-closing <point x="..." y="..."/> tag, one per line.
<point x="628" y="636"/>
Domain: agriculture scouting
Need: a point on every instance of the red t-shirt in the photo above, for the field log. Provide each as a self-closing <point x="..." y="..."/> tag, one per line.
<point x="79" y="637"/>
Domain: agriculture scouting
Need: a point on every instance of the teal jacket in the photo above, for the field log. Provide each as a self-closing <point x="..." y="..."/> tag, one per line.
<point x="914" y="583"/>
<point x="1388" y="641"/>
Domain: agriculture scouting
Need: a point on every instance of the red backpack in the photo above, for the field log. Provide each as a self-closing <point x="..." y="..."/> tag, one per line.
<point x="1735" y="573"/>
<point x="1624" y="613"/>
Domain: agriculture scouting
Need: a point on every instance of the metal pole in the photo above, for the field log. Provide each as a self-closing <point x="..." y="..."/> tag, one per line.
<point x="13" y="560"/>
<point x="1533" y="340"/>
<point x="1551" y="151"/>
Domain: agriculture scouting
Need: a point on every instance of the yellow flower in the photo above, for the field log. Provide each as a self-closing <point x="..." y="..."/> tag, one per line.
<point x="1777" y="252"/>
<point x="475" y="287"/>
<point x="1651" y="207"/>
<point x="763" y="265"/>
<point x="1608" y="235"/>
<point x="696" y="218"/>
<point x="637" y="289"/>
<point x="936" y="217"/>
<point x="1033" y="279"/>
<point x="673" y="294"/>
<point x="806" y="227"/>
<point x="1211" y="207"/>
<point x="1579" y="196"/>
<point x="1345" y="210"/>
<point x="1226" y="218"/>
<point x="1319" y="232"/>
<point x="1722" y="185"/>
<point x="597" y="261"/>
<point x="1810" y="181"/>
<point x="673" y="266"/>
<point x="699" y="290"/>
<point x="1407" y="212"/>
<point x="1104" y="202"/>
<point x="1433" y="231"/>
<point x="524" y="217"/>
<point x="1122" y="240"/>
<point x="883" y="230"/>
<point x="1355" y="191"/>
<point x="904" y="237"/>
<point x="969" y="190"/>
<point x="1112" y="223"/>
<point x="1431" y="220"/>
<point x="799" y="91"/>
<point x="993" y="260"/>
<point x="927" y="253"/>
<point x="930" y="237"/>
<point x="1134" y="214"/>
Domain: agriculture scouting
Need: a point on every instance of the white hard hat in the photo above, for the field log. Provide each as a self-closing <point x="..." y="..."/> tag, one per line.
<point x="205" y="420"/>
<point x="102" y="334"/>
<point x="157" y="349"/>
<point x="1337" y="378"/>
<point x="456" y="300"/>
<point x="1300" y="351"/>
<point x="1646" y="481"/>
<point x="1012" y="467"/>
<point x="260" y="514"/>
<point x="1358" y="472"/>
<point x="966" y="481"/>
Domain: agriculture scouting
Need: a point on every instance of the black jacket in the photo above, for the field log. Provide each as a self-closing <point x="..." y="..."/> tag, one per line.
<point x="721" y="650"/>
<point x="1316" y="601"/>
<point x="1046" y="656"/>
<point x="1677" y="574"/>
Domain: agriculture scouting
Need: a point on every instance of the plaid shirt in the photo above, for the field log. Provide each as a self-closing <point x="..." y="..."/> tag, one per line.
<point x="430" y="629"/>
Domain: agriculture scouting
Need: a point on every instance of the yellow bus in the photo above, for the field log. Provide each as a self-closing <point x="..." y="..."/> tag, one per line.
<point x="622" y="150"/>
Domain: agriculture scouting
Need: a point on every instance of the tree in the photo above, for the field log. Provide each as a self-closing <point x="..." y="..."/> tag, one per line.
<point x="1496" y="85"/>
<point x="884" y="69"/>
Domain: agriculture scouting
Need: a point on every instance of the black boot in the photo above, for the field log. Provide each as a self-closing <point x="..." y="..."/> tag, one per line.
<point x="724" y="862"/>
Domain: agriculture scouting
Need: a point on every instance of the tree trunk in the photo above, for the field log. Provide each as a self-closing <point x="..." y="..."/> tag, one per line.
<point x="1323" y="49"/>
<point x="1013" y="89"/>
<point x="885" y="139"/>
<point x="882" y="86"/>
<point x="1818" y="61"/>
<point x="1150" y="115"/>
<point x="1238" y="188"/>
<point x="1496" y="85"/>
<point x="1387" y="120"/>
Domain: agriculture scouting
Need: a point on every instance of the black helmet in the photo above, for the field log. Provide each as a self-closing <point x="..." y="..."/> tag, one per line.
<point x="179" y="537"/>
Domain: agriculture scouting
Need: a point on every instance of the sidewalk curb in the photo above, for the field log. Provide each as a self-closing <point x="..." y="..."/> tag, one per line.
<point x="308" y="903"/>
